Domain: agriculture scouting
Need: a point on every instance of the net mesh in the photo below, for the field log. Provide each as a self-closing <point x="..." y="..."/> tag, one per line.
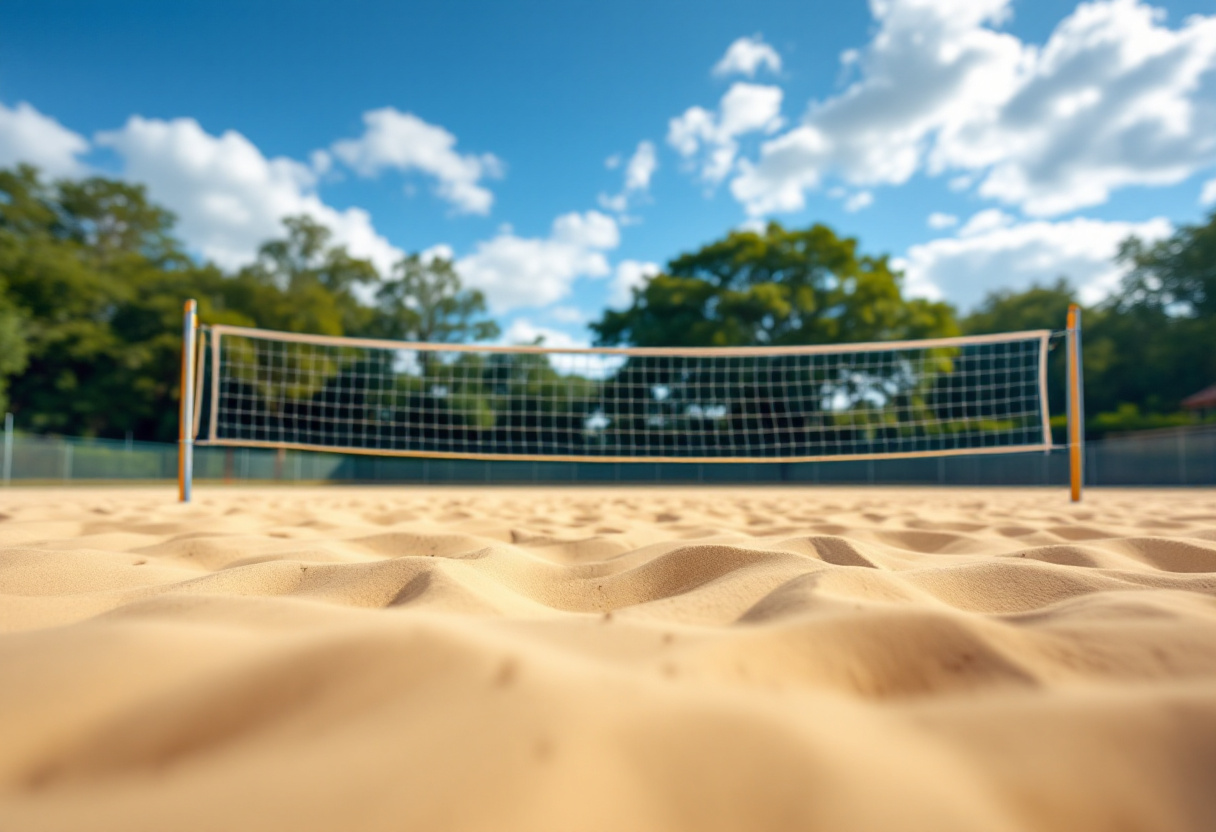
<point x="860" y="400"/>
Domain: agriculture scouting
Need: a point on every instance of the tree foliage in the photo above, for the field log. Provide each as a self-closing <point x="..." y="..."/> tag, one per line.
<point x="776" y="287"/>
<point x="1147" y="347"/>
<point x="426" y="302"/>
<point x="92" y="283"/>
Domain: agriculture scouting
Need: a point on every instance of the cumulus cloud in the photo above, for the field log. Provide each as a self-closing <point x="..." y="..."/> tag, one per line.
<point x="28" y="136"/>
<point x="745" y="56"/>
<point x="523" y="331"/>
<point x="712" y="136"/>
<point x="937" y="220"/>
<point x="1114" y="98"/>
<point x="439" y="251"/>
<point x="993" y="251"/>
<point x="229" y="198"/>
<point x="984" y="221"/>
<point x="638" y="171"/>
<point x="1208" y="195"/>
<point x="518" y="271"/>
<point x="629" y="275"/>
<point x="567" y="315"/>
<point x="642" y="165"/>
<point x="403" y="142"/>
<point x="858" y="201"/>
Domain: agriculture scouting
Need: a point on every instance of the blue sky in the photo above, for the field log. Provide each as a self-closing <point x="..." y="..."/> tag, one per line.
<point x="559" y="152"/>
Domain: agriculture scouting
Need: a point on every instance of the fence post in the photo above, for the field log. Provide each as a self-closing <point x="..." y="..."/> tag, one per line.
<point x="8" y="448"/>
<point x="1182" y="457"/>
<point x="67" y="460"/>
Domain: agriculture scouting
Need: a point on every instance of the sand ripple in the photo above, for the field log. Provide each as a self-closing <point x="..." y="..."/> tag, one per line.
<point x="637" y="659"/>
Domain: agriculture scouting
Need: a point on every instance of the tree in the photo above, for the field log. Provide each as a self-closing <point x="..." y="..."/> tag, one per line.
<point x="92" y="283"/>
<point x="425" y="301"/>
<point x="777" y="287"/>
<point x="72" y="255"/>
<point x="303" y="283"/>
<point x="1039" y="307"/>
<point x="1177" y="274"/>
<point x="13" y="351"/>
<point x="1164" y="319"/>
<point x="771" y="288"/>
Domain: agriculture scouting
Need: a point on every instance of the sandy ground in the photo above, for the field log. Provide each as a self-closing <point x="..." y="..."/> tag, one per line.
<point x="631" y="659"/>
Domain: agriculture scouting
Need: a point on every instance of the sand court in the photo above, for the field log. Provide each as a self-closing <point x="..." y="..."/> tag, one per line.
<point x="633" y="658"/>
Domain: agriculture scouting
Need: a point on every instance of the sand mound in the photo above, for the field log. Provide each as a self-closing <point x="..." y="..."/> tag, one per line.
<point x="634" y="659"/>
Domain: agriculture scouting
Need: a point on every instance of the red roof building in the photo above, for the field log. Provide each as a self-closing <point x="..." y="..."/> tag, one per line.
<point x="1205" y="399"/>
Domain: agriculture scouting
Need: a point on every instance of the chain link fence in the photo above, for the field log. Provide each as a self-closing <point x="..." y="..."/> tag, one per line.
<point x="1177" y="457"/>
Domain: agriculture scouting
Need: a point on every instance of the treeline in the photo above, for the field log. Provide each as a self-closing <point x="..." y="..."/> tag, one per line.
<point x="92" y="281"/>
<point x="1147" y="347"/>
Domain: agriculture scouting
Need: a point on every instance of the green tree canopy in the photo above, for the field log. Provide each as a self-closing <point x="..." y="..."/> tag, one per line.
<point x="425" y="301"/>
<point x="1039" y="307"/>
<point x="1177" y="274"/>
<point x="92" y="283"/>
<point x="73" y="255"/>
<point x="304" y="283"/>
<point x="1148" y="346"/>
<point x="774" y="287"/>
<point x="1160" y="329"/>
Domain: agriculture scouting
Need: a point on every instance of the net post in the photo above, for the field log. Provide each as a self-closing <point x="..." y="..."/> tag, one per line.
<point x="185" y="422"/>
<point x="8" y="449"/>
<point x="1076" y="405"/>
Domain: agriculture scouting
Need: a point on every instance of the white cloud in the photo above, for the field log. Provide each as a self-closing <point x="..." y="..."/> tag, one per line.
<point x="938" y="220"/>
<point x="858" y="201"/>
<point x="589" y="230"/>
<point x="521" y="271"/>
<point x="993" y="252"/>
<point x="960" y="183"/>
<point x="630" y="274"/>
<point x="567" y="315"/>
<point x="617" y="203"/>
<point x="1208" y="195"/>
<point x="439" y="251"/>
<point x="28" y="136"/>
<point x="745" y="56"/>
<point x="789" y="166"/>
<point x="322" y="163"/>
<point x="745" y="108"/>
<point x="642" y="165"/>
<point x="984" y="221"/>
<point x="404" y="142"/>
<point x="1114" y="98"/>
<point x="638" y="171"/>
<point x="229" y="198"/>
<point x="523" y="331"/>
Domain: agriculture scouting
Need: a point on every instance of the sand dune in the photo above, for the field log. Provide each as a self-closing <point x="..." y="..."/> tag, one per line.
<point x="633" y="659"/>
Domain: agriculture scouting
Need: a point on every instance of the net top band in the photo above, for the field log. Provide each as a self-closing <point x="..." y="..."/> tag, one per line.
<point x="219" y="330"/>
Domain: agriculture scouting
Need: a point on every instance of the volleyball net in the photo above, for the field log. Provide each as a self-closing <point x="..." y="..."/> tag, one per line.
<point x="971" y="395"/>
